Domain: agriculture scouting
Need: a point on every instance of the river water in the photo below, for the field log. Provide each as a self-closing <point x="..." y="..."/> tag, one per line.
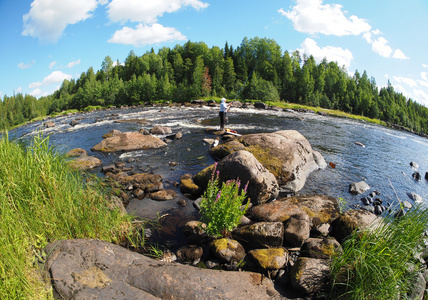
<point x="384" y="162"/>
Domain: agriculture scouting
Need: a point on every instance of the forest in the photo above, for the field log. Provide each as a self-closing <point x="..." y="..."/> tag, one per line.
<point x="194" y="70"/>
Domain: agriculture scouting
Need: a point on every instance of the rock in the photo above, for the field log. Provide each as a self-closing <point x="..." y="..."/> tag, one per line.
<point x="92" y="269"/>
<point x="176" y="136"/>
<point x="129" y="141"/>
<point x="76" y="152"/>
<point x="261" y="105"/>
<point x="406" y="204"/>
<point x="227" y="250"/>
<point x="262" y="185"/>
<point x="417" y="176"/>
<point x="296" y="230"/>
<point x="161" y="130"/>
<point x="309" y="275"/>
<point x="188" y="187"/>
<point x="163" y="195"/>
<point x="322" y="209"/>
<point x="286" y="154"/>
<point x="49" y="124"/>
<point x="414" y="165"/>
<point x="426" y="175"/>
<point x="366" y="200"/>
<point x="321" y="230"/>
<point x="415" y="197"/>
<point x="145" y="181"/>
<point x="417" y="287"/>
<point x="357" y="188"/>
<point x="270" y="259"/>
<point x="84" y="163"/>
<point x="194" y="232"/>
<point x="191" y="254"/>
<point x="359" y="144"/>
<point x="352" y="220"/>
<point x="74" y="123"/>
<point x="111" y="133"/>
<point x="260" y="235"/>
<point x="323" y="248"/>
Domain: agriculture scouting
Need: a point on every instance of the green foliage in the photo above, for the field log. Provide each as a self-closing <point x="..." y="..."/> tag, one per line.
<point x="193" y="70"/>
<point x="380" y="258"/>
<point x="221" y="208"/>
<point x="43" y="200"/>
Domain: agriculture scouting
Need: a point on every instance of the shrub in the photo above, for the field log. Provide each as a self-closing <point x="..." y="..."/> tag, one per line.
<point x="221" y="208"/>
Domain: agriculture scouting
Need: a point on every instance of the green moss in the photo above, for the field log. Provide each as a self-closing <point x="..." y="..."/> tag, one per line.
<point x="266" y="257"/>
<point x="270" y="162"/>
<point x="322" y="215"/>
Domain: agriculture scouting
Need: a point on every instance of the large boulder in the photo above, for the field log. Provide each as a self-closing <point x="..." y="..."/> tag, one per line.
<point x="260" y="235"/>
<point x="309" y="275"/>
<point x="352" y="220"/>
<point x="297" y="230"/>
<point x="92" y="269"/>
<point x="161" y="130"/>
<point x="322" y="209"/>
<point x="287" y="154"/>
<point x="262" y="185"/>
<point x="129" y="141"/>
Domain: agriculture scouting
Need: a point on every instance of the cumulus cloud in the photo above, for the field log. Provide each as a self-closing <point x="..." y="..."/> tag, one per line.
<point x="314" y="17"/>
<point x="343" y="57"/>
<point x="54" y="77"/>
<point x="425" y="65"/>
<point x="421" y="96"/>
<point x="48" y="19"/>
<point x="406" y="80"/>
<point x="73" y="63"/>
<point x="147" y="11"/>
<point x="52" y="64"/>
<point x="311" y="16"/>
<point x="145" y="35"/>
<point x="23" y="66"/>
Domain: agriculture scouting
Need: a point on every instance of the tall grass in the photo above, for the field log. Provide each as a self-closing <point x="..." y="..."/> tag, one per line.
<point x="42" y="200"/>
<point x="380" y="263"/>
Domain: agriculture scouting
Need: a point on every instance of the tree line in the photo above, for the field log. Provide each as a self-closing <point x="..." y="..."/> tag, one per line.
<point x="194" y="70"/>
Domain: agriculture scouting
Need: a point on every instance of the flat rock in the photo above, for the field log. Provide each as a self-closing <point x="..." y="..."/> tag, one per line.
<point x="129" y="141"/>
<point x="92" y="269"/>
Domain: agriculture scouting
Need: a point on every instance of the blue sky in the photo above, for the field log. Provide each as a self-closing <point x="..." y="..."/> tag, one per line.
<point x="44" y="42"/>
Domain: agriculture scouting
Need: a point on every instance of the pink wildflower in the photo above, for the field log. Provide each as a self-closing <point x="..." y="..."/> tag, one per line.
<point x="218" y="197"/>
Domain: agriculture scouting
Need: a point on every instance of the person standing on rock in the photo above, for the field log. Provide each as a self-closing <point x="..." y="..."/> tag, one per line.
<point x="224" y="107"/>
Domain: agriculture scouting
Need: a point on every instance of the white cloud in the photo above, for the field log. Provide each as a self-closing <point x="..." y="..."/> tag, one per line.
<point x="421" y="96"/>
<point x="408" y="81"/>
<point x="311" y="16"/>
<point x="337" y="54"/>
<point x="23" y="66"/>
<point x="424" y="76"/>
<point x="54" y="77"/>
<point x="48" y="19"/>
<point x="398" y="54"/>
<point x="425" y="65"/>
<point x="314" y="17"/>
<point x="147" y="11"/>
<point x="381" y="47"/>
<point x="52" y="64"/>
<point x="36" y="93"/>
<point x="73" y="63"/>
<point x="18" y="90"/>
<point x="146" y="34"/>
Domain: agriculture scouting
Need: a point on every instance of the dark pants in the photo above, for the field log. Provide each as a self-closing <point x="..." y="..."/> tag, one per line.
<point x="222" y="117"/>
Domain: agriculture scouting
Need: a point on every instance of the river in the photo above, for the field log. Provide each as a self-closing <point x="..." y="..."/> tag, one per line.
<point x="384" y="162"/>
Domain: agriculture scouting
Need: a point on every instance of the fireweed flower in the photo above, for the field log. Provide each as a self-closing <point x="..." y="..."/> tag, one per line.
<point x="218" y="197"/>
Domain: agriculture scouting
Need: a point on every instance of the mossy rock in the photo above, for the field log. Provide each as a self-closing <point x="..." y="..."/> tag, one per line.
<point x="203" y="177"/>
<point x="227" y="250"/>
<point x="270" y="162"/>
<point x="221" y="151"/>
<point x="270" y="259"/>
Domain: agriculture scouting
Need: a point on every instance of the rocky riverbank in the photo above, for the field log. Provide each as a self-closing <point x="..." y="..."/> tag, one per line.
<point x="283" y="244"/>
